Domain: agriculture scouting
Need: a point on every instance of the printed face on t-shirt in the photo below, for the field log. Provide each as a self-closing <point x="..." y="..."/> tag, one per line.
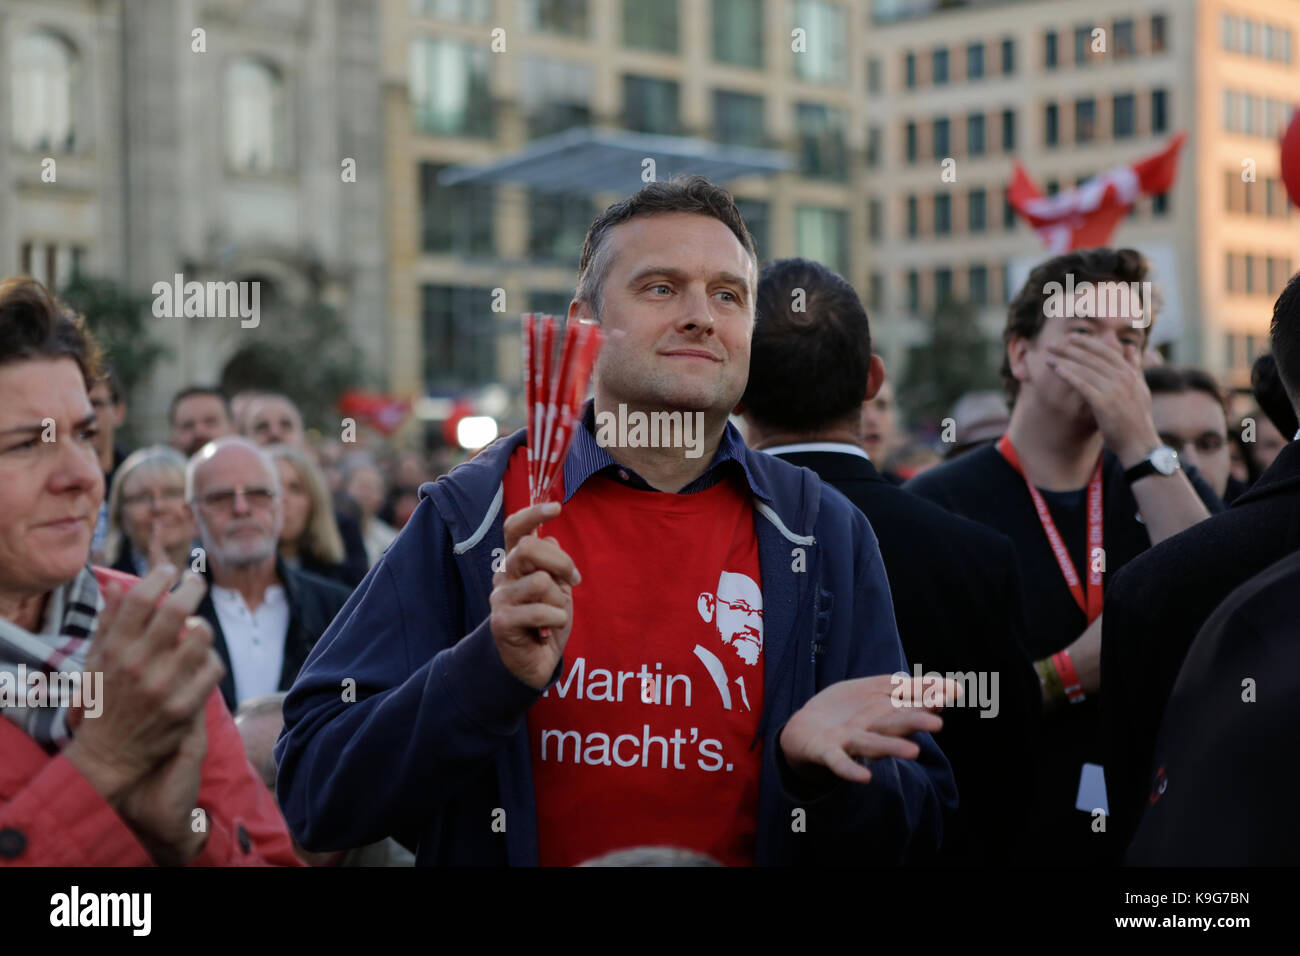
<point x="678" y="313"/>
<point x="737" y="609"/>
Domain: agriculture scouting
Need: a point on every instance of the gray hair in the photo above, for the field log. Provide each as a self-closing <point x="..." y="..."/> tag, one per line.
<point x="145" y="461"/>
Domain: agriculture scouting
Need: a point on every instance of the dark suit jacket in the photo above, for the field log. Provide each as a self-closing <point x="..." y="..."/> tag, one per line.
<point x="957" y="602"/>
<point x="1159" y="601"/>
<point x="1222" y="790"/>
<point x="313" y="603"/>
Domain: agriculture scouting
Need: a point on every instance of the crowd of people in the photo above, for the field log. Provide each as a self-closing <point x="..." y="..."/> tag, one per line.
<point x="817" y="643"/>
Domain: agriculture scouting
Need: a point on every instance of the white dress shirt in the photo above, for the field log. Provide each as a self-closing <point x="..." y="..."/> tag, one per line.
<point x="838" y="447"/>
<point x="255" y="639"/>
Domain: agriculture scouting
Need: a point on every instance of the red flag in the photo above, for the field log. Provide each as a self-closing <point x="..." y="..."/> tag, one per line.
<point x="1085" y="217"/>
<point x="384" y="413"/>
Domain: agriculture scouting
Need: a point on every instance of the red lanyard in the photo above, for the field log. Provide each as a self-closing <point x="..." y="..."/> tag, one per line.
<point x="1091" y="607"/>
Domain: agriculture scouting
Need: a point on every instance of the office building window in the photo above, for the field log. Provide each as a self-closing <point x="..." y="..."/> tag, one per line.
<point x="1159" y="39"/>
<point x="1051" y="125"/>
<point x="450" y="94"/>
<point x="1160" y="204"/>
<point x="1122" y="44"/>
<point x="875" y="220"/>
<point x="1050" y="54"/>
<point x="942" y="286"/>
<point x="461" y="11"/>
<point x="1008" y="213"/>
<point x="942" y="147"/>
<point x="939" y="67"/>
<point x="258" y="136"/>
<point x="909" y="70"/>
<point x="738" y="32"/>
<point x="821" y="234"/>
<point x="943" y="214"/>
<point x="567" y="17"/>
<point x="911" y="142"/>
<point x="651" y="105"/>
<point x="1085" y="120"/>
<point x="1082" y="43"/>
<point x="978" y="281"/>
<point x="557" y="224"/>
<point x="1008" y="131"/>
<point x="876" y="291"/>
<point x="977" y="207"/>
<point x="1008" y="56"/>
<point x="821" y="141"/>
<point x="757" y="217"/>
<point x="825" y="59"/>
<point x="913" y="291"/>
<point x="460" y="336"/>
<point x="738" y="118"/>
<point x="650" y="26"/>
<point x="456" y="219"/>
<point x="874" y="140"/>
<point x="554" y="95"/>
<point x="873" y="75"/>
<point x="975" y="61"/>
<point x="43" y="81"/>
<point x="913" y="217"/>
<point x="1124" y="112"/>
<point x="1159" y="111"/>
<point x="975" y="134"/>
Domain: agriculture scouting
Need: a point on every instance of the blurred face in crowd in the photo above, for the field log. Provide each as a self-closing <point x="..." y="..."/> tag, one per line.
<point x="199" y="419"/>
<point x="109" y="416"/>
<point x="678" y="313"/>
<point x="272" y="420"/>
<point x="237" y="507"/>
<point x="1268" y="441"/>
<point x="1042" y="386"/>
<point x="295" y="502"/>
<point x="366" y="488"/>
<point x="50" y="491"/>
<point x="153" y="499"/>
<point x="1193" y="424"/>
<point x="879" y="424"/>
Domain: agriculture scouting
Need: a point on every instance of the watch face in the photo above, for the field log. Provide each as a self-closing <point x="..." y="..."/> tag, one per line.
<point x="1165" y="459"/>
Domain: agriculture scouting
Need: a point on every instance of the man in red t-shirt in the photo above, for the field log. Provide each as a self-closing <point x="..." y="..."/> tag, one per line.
<point x="718" y="671"/>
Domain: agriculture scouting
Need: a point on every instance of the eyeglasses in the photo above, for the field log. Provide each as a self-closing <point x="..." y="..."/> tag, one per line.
<point x="166" y="496"/>
<point x="256" y="498"/>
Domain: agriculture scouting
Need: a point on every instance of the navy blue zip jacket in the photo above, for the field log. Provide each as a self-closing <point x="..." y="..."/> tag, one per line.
<point x="404" y="721"/>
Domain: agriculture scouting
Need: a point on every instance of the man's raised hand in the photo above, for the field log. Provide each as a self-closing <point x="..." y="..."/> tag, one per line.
<point x="534" y="591"/>
<point x="867" y="717"/>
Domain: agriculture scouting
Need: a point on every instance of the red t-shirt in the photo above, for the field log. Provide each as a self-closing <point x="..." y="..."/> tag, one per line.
<point x="648" y="738"/>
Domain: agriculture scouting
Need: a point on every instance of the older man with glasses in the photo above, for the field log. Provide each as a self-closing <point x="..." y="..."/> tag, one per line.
<point x="265" y="616"/>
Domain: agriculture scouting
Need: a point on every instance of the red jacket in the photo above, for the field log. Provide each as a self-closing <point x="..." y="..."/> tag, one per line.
<point x="50" y="815"/>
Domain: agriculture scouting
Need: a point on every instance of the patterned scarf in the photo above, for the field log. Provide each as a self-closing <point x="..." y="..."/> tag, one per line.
<point x="61" y="646"/>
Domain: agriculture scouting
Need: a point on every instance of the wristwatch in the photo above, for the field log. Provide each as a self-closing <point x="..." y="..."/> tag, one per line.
<point x="1162" y="461"/>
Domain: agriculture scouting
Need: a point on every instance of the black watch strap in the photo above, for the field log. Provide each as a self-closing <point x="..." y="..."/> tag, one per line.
<point x="1140" y="470"/>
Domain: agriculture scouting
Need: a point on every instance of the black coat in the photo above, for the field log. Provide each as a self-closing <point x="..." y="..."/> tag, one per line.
<point x="313" y="603"/>
<point x="1160" y="600"/>
<point x="957" y="604"/>
<point x="1223" y="786"/>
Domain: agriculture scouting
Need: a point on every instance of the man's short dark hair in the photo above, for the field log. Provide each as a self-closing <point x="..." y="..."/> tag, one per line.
<point x="35" y="325"/>
<point x="1026" y="314"/>
<point x="808" y="366"/>
<point x="108" y="375"/>
<point x="1168" y="380"/>
<point x="1284" y="332"/>
<point x="680" y="194"/>
<point x="191" y="391"/>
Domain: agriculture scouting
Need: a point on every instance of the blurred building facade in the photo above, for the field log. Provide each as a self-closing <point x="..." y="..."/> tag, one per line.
<point x="217" y="155"/>
<point x="985" y="81"/>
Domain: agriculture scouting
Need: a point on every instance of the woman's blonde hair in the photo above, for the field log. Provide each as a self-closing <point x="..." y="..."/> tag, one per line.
<point x="320" y="539"/>
<point x="145" y="461"/>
